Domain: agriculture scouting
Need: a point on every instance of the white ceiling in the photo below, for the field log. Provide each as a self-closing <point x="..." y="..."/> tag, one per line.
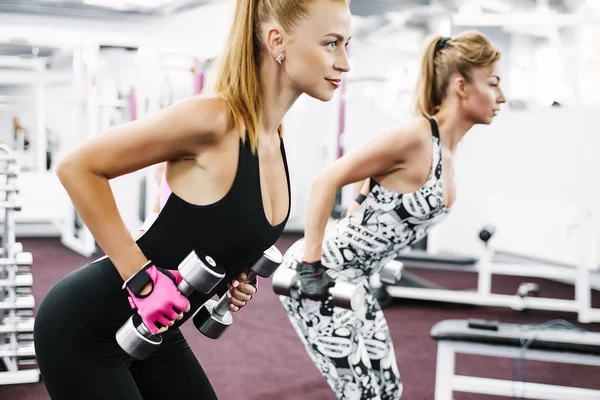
<point x="375" y="7"/>
<point x="101" y="8"/>
<point x="106" y="8"/>
<point x="373" y="16"/>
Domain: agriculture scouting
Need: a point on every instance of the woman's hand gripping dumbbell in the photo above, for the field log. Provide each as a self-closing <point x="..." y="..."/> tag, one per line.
<point x="214" y="317"/>
<point x="310" y="280"/>
<point x="165" y="302"/>
<point x="241" y="291"/>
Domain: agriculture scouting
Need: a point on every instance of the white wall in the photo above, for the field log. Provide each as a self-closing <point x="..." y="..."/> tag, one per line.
<point x="504" y="171"/>
<point x="310" y="129"/>
<point x="532" y="174"/>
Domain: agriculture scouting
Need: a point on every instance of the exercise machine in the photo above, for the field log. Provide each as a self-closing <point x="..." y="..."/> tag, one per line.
<point x="501" y="263"/>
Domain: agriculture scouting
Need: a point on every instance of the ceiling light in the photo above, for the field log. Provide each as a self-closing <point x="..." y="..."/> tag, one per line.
<point x="125" y="4"/>
<point x="118" y="4"/>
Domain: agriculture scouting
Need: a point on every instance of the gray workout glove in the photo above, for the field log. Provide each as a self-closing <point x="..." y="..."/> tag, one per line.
<point x="313" y="279"/>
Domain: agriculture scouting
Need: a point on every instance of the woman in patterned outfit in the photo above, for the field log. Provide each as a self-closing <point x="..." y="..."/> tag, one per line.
<point x="408" y="187"/>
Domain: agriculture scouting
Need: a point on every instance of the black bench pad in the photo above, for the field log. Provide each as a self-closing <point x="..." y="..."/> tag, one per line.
<point x="417" y="257"/>
<point x="546" y="338"/>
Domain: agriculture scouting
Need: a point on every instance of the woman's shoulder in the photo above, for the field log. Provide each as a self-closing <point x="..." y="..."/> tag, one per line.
<point x="417" y="127"/>
<point x="212" y="112"/>
<point x="415" y="132"/>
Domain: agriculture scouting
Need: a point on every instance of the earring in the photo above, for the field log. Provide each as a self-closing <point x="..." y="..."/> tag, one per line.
<point x="279" y="58"/>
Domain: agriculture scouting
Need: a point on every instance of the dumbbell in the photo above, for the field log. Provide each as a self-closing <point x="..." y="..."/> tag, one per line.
<point x="391" y="272"/>
<point x="198" y="273"/>
<point x="214" y="317"/>
<point x="344" y="294"/>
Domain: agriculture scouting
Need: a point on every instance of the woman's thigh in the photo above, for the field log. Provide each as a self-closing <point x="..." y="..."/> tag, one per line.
<point x="172" y="372"/>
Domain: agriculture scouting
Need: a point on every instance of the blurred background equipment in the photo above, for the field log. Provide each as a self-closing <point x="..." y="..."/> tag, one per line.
<point x="72" y="69"/>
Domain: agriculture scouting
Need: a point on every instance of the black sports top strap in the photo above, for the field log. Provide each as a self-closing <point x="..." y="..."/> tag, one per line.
<point x="434" y="128"/>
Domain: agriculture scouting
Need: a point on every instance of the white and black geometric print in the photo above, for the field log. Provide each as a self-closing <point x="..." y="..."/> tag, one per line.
<point x="353" y="350"/>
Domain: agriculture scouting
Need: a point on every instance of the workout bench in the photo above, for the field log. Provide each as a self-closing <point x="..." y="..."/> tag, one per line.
<point x="541" y="342"/>
<point x="487" y="266"/>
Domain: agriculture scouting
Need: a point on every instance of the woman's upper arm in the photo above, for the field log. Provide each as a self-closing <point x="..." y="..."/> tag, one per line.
<point x="381" y="154"/>
<point x="159" y="171"/>
<point x="178" y="131"/>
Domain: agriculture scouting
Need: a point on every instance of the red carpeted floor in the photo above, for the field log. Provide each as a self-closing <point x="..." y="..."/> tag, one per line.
<point x="261" y="358"/>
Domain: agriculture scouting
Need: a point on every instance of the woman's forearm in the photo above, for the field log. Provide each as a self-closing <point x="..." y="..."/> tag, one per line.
<point x="94" y="201"/>
<point x="320" y="204"/>
<point x="356" y="190"/>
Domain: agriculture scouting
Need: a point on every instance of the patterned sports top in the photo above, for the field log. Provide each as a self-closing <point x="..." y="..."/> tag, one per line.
<point x="385" y="223"/>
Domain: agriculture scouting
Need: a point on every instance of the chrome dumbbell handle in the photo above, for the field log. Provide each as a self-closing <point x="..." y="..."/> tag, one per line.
<point x="263" y="267"/>
<point x="222" y="306"/>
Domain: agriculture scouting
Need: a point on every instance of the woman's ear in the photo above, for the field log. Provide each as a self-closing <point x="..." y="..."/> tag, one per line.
<point x="274" y="42"/>
<point x="458" y="86"/>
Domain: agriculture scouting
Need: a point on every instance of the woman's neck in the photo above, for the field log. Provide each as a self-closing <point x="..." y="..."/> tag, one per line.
<point x="278" y="97"/>
<point x="453" y="127"/>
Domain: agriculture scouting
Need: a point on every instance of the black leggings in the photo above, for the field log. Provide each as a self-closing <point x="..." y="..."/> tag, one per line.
<point x="79" y="357"/>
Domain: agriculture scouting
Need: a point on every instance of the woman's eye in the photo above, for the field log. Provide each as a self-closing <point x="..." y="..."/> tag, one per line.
<point x="333" y="45"/>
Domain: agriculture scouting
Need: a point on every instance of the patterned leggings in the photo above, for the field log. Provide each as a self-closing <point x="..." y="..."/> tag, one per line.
<point x="353" y="350"/>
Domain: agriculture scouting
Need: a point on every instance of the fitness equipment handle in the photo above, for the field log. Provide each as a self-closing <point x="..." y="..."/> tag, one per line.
<point x="263" y="267"/>
<point x="222" y="306"/>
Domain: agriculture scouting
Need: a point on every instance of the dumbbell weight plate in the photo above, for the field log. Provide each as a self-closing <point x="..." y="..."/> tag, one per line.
<point x="200" y="273"/>
<point x="284" y="280"/>
<point x="139" y="346"/>
<point x="206" y="321"/>
<point x="348" y="295"/>
<point x="268" y="263"/>
<point x="391" y="272"/>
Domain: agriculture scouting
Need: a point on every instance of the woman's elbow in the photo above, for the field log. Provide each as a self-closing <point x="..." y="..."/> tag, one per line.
<point x="324" y="182"/>
<point x="63" y="167"/>
<point x="67" y="169"/>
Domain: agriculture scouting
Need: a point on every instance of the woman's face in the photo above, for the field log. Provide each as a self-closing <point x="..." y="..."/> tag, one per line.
<point x="315" y="52"/>
<point x="483" y="95"/>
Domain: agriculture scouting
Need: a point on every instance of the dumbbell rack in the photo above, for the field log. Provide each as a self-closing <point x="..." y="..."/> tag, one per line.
<point x="17" y="353"/>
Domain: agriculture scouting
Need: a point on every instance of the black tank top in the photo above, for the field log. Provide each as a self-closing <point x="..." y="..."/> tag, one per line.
<point x="234" y="230"/>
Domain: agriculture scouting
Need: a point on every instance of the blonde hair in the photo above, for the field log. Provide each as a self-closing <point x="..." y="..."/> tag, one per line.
<point x="444" y="57"/>
<point x="237" y="80"/>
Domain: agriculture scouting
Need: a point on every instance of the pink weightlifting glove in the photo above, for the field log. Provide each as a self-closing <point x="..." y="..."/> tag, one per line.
<point x="163" y="303"/>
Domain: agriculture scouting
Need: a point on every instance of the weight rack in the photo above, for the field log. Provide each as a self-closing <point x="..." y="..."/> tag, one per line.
<point x="17" y="352"/>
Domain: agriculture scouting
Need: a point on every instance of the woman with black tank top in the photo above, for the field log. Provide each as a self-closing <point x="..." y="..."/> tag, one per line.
<point x="407" y="186"/>
<point x="228" y="196"/>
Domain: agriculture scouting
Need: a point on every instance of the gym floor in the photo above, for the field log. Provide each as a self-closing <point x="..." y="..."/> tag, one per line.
<point x="261" y="357"/>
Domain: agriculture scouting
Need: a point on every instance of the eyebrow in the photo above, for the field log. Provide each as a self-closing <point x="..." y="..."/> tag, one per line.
<point x="338" y="36"/>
